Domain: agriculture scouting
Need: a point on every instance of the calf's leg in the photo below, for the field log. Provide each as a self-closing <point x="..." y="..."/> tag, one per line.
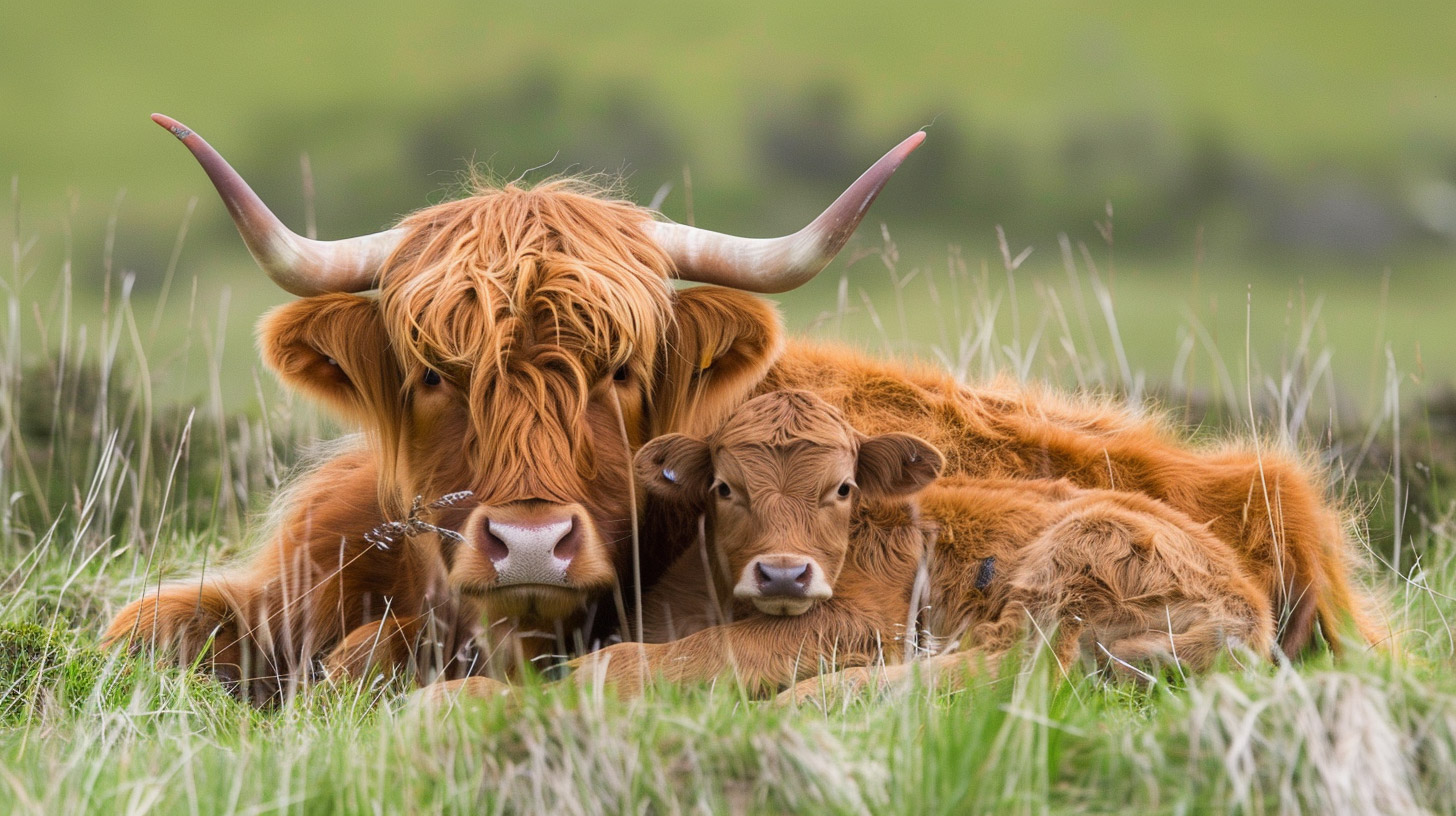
<point x="764" y="654"/>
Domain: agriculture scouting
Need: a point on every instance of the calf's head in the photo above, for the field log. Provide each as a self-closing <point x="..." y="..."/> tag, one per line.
<point x="778" y="484"/>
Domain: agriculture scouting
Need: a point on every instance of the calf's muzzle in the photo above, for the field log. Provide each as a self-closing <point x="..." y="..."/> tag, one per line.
<point x="789" y="581"/>
<point x="783" y="584"/>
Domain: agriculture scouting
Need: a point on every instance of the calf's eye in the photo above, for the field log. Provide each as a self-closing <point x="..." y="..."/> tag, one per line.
<point x="620" y="375"/>
<point x="724" y="491"/>
<point x="432" y="377"/>
<point x="844" y="490"/>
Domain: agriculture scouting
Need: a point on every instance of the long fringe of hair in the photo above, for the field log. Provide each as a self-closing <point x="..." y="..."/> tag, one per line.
<point x="527" y="297"/>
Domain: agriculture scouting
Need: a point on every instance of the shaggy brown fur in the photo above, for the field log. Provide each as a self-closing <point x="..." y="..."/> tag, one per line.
<point x="529" y="302"/>
<point x="1267" y="504"/>
<point x="1116" y="576"/>
<point x="525" y="342"/>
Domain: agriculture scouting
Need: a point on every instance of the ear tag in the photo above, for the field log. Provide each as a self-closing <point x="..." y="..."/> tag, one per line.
<point x="706" y="361"/>
<point x="985" y="573"/>
<point x="670" y="475"/>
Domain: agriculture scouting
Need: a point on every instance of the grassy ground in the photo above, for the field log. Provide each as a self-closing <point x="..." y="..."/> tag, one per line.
<point x="110" y="487"/>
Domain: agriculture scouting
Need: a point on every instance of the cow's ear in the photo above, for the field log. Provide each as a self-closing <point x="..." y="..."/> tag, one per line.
<point x="675" y="467"/>
<point x="334" y="348"/>
<point x="896" y="465"/>
<point x="719" y="347"/>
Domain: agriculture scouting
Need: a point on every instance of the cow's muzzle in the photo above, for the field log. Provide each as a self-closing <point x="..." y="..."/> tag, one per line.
<point x="531" y="560"/>
<point x="530" y="551"/>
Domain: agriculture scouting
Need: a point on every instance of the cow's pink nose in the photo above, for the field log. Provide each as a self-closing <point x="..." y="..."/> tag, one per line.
<point x="532" y="553"/>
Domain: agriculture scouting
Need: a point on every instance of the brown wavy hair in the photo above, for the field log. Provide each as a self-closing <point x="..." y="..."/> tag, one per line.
<point x="526" y="298"/>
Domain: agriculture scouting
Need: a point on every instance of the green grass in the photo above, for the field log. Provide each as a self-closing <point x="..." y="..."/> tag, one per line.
<point x="113" y="486"/>
<point x="1364" y="736"/>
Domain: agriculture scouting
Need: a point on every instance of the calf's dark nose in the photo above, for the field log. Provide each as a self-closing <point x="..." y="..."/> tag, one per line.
<point x="792" y="580"/>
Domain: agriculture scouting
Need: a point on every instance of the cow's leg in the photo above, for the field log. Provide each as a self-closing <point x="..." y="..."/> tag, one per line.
<point x="259" y="638"/>
<point x="423" y="648"/>
<point x="385" y="647"/>
<point x="1033" y="618"/>
<point x="626" y="668"/>
<point x="181" y="620"/>
<point x="268" y="621"/>
<point x="1141" y="657"/>
<point x="204" y="625"/>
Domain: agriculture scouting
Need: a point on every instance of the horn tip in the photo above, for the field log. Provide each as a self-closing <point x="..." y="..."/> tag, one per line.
<point x="175" y="127"/>
<point x="911" y="142"/>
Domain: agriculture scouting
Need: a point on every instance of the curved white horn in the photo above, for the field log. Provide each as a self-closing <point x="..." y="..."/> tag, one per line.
<point x="300" y="265"/>
<point x="772" y="265"/>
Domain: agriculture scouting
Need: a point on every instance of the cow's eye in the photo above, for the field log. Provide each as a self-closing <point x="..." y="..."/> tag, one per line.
<point x="432" y="377"/>
<point x="620" y="375"/>
<point x="724" y="491"/>
<point x="844" y="490"/>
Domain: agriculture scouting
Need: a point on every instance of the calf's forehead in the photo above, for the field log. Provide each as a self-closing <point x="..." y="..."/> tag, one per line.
<point x="785" y="418"/>
<point x="784" y="440"/>
<point x="799" y="467"/>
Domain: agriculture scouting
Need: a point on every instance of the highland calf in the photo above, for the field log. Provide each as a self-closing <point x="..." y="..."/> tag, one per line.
<point x="824" y="548"/>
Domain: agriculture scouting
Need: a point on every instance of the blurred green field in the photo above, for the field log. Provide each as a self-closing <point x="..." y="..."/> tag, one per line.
<point x="1296" y="82"/>
<point x="1257" y="155"/>
<point x="1255" y="122"/>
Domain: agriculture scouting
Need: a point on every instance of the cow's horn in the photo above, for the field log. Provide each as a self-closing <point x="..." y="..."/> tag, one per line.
<point x="301" y="265"/>
<point x="778" y="264"/>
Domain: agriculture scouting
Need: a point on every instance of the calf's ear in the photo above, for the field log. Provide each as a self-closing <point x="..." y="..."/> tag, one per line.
<point x="895" y="465"/>
<point x="676" y="467"/>
<point x="334" y="348"/>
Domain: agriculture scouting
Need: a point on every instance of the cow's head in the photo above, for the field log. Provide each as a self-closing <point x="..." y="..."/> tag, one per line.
<point x="522" y="344"/>
<point x="778" y="484"/>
